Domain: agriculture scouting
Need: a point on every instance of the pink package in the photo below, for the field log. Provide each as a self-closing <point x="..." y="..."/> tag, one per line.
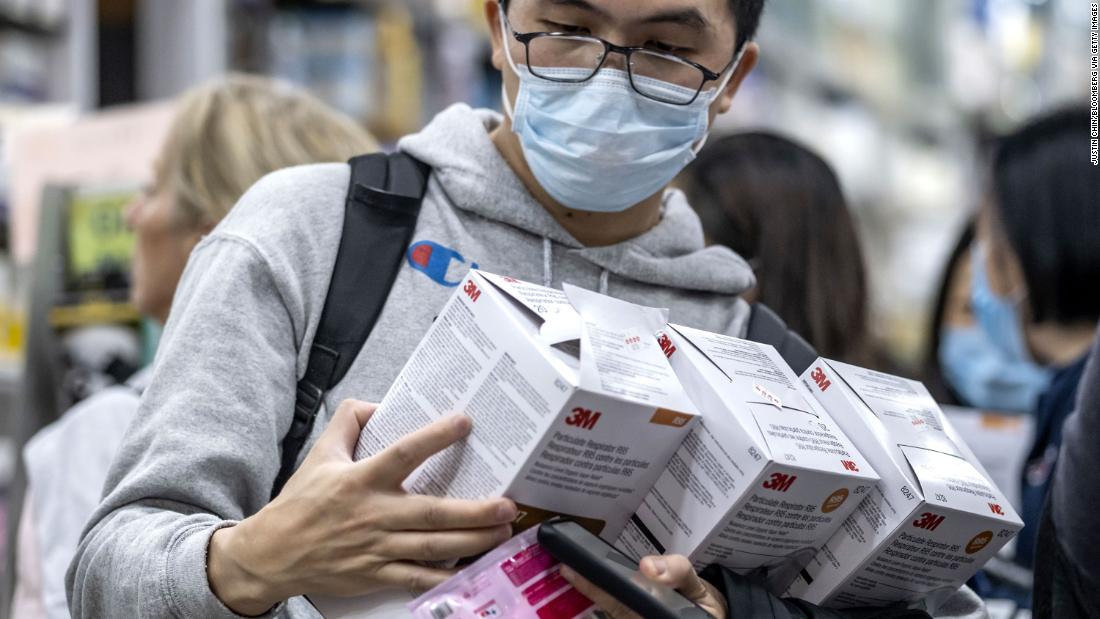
<point x="518" y="580"/>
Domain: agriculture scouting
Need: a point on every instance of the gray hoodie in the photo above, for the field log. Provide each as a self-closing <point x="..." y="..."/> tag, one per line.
<point x="204" y="449"/>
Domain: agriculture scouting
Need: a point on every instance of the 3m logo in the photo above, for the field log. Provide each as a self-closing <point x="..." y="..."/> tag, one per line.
<point x="780" y="482"/>
<point x="849" y="465"/>
<point x="471" y="290"/>
<point x="666" y="344"/>
<point x="928" y="521"/>
<point x="996" y="509"/>
<point x="820" y="379"/>
<point x="583" y="418"/>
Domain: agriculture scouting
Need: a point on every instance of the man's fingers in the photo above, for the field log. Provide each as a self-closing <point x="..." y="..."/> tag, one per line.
<point x="444" y="545"/>
<point x="411" y="576"/>
<point x="676" y="572"/>
<point x="605" y="602"/>
<point x="396" y="462"/>
<point x="342" y="432"/>
<point x="415" y="512"/>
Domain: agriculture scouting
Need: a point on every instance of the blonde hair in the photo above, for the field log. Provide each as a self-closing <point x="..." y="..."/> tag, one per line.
<point x="231" y="132"/>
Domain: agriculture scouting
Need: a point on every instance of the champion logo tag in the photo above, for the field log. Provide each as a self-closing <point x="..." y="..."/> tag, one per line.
<point x="442" y="265"/>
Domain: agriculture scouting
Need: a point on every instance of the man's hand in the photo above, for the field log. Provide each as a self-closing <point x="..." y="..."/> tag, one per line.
<point x="673" y="571"/>
<point x="347" y="528"/>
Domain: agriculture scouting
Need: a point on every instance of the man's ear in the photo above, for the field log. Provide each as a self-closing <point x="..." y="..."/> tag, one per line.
<point x="749" y="57"/>
<point x="202" y="229"/>
<point x="496" y="37"/>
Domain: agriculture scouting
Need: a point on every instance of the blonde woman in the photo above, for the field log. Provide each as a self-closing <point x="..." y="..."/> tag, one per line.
<point x="225" y="137"/>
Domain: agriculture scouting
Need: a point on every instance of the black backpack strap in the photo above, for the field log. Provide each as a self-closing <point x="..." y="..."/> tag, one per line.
<point x="380" y="214"/>
<point x="766" y="327"/>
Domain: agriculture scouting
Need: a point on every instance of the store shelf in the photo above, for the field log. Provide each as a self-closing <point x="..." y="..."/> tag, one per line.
<point x="93" y="313"/>
<point x="17" y="24"/>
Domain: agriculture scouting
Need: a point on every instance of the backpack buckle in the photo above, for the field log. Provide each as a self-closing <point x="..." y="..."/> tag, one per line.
<point x="307" y="401"/>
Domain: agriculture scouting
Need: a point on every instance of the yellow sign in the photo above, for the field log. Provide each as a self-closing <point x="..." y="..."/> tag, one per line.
<point x="98" y="240"/>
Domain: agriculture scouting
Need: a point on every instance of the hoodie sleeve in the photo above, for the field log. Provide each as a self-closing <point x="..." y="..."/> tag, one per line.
<point x="203" y="450"/>
<point x="1067" y="576"/>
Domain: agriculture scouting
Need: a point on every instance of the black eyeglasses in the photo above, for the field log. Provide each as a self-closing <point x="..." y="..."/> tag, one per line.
<point x="572" y="58"/>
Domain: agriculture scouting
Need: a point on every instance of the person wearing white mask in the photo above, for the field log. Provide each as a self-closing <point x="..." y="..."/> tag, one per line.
<point x="606" y="101"/>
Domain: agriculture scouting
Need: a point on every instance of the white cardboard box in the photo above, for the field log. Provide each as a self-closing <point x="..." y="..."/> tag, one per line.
<point x="933" y="520"/>
<point x="765" y="477"/>
<point x="575" y="409"/>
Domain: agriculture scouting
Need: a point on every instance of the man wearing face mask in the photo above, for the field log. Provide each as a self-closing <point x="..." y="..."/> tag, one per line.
<point x="606" y="101"/>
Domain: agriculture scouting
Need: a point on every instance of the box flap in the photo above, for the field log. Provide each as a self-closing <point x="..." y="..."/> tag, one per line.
<point x="953" y="482"/>
<point x="740" y="360"/>
<point x="791" y="426"/>
<point x="750" y="373"/>
<point x="801" y="434"/>
<point x="620" y="355"/>
<point x="904" y="407"/>
<point x="559" y="320"/>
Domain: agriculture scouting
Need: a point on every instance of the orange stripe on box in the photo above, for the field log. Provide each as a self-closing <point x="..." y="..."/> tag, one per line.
<point x="665" y="417"/>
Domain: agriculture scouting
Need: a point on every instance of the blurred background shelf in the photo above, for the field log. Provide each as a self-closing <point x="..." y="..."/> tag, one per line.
<point x="899" y="96"/>
<point x="11" y="22"/>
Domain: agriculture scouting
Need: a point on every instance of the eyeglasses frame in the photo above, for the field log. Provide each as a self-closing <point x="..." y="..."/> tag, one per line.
<point x="608" y="47"/>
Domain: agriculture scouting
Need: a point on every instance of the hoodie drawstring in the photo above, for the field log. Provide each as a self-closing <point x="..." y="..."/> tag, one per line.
<point x="547" y="257"/>
<point x="548" y="268"/>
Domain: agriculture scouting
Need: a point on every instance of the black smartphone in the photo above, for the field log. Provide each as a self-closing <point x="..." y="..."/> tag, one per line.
<point x="614" y="572"/>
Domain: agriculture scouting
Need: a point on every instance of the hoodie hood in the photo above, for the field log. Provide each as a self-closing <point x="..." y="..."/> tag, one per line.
<point x="476" y="178"/>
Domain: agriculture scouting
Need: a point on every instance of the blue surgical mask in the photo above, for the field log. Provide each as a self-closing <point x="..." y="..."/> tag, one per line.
<point x="988" y="363"/>
<point x="984" y="377"/>
<point x="996" y="314"/>
<point x="598" y="145"/>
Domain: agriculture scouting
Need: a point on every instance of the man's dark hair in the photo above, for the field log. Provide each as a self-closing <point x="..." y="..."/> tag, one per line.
<point x="780" y="206"/>
<point x="746" y="18"/>
<point x="1045" y="202"/>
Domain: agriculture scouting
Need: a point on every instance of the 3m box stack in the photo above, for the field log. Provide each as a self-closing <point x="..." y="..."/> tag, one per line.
<point x="933" y="520"/>
<point x="765" y="477"/>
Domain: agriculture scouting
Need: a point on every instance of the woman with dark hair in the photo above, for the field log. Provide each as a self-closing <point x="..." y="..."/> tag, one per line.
<point x="1037" y="262"/>
<point x="779" y="205"/>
